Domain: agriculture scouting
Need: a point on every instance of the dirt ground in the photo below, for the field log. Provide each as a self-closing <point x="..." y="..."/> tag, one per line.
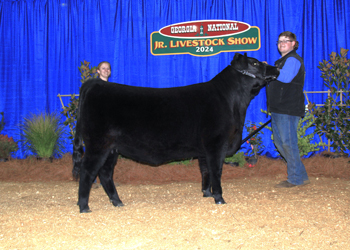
<point x="164" y="207"/>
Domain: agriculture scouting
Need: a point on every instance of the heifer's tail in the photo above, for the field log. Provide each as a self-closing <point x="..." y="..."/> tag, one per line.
<point x="78" y="148"/>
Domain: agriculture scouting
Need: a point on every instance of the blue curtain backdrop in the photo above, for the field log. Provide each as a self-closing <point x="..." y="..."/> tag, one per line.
<point x="43" y="43"/>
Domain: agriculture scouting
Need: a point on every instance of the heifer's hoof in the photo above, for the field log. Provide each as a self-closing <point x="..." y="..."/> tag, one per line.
<point x="220" y="201"/>
<point x="207" y="193"/>
<point x="85" y="210"/>
<point x="117" y="203"/>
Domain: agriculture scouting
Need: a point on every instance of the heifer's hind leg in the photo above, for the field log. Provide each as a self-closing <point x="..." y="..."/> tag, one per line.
<point x="206" y="186"/>
<point x="89" y="169"/>
<point x="106" y="178"/>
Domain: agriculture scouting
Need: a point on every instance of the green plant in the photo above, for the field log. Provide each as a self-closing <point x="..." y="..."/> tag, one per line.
<point x="43" y="134"/>
<point x="182" y="162"/>
<point x="255" y="141"/>
<point x="306" y="135"/>
<point x="86" y="72"/>
<point x="237" y="158"/>
<point x="70" y="111"/>
<point x="305" y="140"/>
<point x="332" y="119"/>
<point x="7" y="146"/>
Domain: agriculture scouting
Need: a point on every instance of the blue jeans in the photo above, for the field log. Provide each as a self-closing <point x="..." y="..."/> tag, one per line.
<point x="284" y="128"/>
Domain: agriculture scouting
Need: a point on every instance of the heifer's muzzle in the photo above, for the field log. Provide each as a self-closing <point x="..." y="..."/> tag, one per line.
<point x="271" y="73"/>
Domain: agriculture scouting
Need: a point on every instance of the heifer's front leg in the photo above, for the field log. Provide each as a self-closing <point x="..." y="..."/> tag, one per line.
<point x="206" y="187"/>
<point x="215" y="170"/>
<point x="106" y="178"/>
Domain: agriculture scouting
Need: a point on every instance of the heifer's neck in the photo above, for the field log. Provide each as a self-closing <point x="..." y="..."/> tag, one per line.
<point x="241" y="82"/>
<point x="237" y="88"/>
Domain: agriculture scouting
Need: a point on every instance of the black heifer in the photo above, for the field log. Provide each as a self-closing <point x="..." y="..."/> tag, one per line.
<point x="155" y="126"/>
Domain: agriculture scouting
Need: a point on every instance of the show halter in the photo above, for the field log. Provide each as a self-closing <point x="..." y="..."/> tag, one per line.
<point x="244" y="72"/>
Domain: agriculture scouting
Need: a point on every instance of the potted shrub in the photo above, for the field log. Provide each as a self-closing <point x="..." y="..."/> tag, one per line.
<point x="306" y="134"/>
<point x="43" y="135"/>
<point x="236" y="160"/>
<point x="7" y="144"/>
<point x="256" y="146"/>
<point x="255" y="143"/>
<point x="70" y="111"/>
<point x="333" y="119"/>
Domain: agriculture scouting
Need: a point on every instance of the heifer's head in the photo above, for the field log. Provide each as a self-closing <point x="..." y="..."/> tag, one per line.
<point x="252" y="67"/>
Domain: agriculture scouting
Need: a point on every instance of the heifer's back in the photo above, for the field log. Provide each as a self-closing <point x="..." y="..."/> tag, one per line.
<point x="154" y="125"/>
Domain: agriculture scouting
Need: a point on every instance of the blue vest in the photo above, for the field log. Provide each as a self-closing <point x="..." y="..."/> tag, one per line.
<point x="287" y="98"/>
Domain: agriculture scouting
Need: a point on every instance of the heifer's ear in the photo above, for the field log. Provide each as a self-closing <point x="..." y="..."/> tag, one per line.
<point x="242" y="61"/>
<point x="236" y="59"/>
<point x="239" y="61"/>
<point x="237" y="56"/>
<point x="245" y="60"/>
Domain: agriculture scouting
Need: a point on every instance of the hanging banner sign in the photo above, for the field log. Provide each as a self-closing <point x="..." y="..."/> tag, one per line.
<point x="205" y="38"/>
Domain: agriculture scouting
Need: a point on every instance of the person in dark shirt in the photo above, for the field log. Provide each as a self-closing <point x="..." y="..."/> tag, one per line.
<point x="104" y="72"/>
<point x="285" y="101"/>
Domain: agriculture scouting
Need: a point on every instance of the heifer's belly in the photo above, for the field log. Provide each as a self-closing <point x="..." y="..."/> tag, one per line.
<point x="156" y="155"/>
<point x="156" y="148"/>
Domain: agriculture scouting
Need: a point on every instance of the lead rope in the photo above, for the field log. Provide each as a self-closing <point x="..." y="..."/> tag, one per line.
<point x="267" y="100"/>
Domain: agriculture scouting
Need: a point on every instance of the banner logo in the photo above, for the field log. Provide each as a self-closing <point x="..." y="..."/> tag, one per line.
<point x="205" y="38"/>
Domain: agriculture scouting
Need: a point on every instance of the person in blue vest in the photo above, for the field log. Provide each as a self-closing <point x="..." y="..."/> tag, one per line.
<point x="285" y="101"/>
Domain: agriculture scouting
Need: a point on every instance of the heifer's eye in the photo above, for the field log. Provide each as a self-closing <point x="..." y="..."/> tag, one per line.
<point x="255" y="64"/>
